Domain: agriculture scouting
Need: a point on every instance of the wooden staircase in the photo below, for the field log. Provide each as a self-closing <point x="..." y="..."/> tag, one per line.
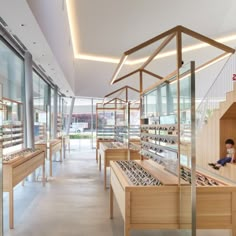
<point x="219" y="126"/>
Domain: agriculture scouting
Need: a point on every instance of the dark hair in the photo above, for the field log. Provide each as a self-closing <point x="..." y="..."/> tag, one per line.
<point x="229" y="141"/>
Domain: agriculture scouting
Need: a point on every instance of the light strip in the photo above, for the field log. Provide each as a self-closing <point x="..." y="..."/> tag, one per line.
<point x="78" y="55"/>
<point x="97" y="58"/>
<point x="117" y="71"/>
<point x="71" y="19"/>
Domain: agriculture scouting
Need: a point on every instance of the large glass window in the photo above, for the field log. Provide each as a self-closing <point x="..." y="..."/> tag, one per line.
<point x="40" y="91"/>
<point x="11" y="73"/>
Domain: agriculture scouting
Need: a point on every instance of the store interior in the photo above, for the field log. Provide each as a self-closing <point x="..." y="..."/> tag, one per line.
<point x="117" y="119"/>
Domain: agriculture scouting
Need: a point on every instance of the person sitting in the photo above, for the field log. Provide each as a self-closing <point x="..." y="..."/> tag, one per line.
<point x="230" y="157"/>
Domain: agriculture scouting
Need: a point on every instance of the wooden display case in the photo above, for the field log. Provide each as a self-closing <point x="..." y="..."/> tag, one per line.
<point x="59" y="125"/>
<point x="113" y="151"/>
<point x="12" y="127"/>
<point x="17" y="169"/>
<point x="12" y="134"/>
<point x="160" y="207"/>
<point x="53" y="146"/>
<point x="101" y="140"/>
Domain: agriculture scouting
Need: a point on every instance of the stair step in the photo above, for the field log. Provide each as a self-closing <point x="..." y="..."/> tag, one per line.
<point x="231" y="96"/>
<point x="234" y="86"/>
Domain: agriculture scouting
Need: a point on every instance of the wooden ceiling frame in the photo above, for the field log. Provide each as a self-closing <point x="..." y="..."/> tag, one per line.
<point x="114" y="100"/>
<point x="177" y="33"/>
<point x="121" y="90"/>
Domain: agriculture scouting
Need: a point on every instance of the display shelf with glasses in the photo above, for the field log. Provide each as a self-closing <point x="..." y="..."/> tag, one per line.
<point x="18" y="162"/>
<point x="40" y="123"/>
<point x="59" y="125"/>
<point x="159" y="141"/>
<point x="105" y="124"/>
<point x="12" y="126"/>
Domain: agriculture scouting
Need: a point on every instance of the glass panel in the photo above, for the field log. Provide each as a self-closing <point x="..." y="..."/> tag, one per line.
<point x="95" y="120"/>
<point x="151" y="104"/>
<point x="51" y="121"/>
<point x="81" y="124"/>
<point x="1" y="154"/>
<point x="40" y="94"/>
<point x="11" y="73"/>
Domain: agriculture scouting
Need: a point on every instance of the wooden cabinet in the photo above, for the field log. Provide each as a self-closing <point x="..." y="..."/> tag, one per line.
<point x="17" y="169"/>
<point x="53" y="146"/>
<point x="112" y="151"/>
<point x="160" y="207"/>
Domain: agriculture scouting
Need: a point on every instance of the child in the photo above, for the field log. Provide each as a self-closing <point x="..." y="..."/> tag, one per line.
<point x="229" y="144"/>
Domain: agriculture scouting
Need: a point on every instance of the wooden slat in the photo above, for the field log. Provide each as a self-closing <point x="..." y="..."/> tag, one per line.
<point x="125" y="76"/>
<point x="120" y="89"/>
<point x="158" y="50"/>
<point x="165" y="79"/>
<point x="152" y="74"/>
<point x="206" y="40"/>
<point x="150" y="41"/>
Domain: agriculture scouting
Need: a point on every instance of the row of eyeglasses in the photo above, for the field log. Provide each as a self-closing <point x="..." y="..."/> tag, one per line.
<point x="137" y="175"/>
<point x="201" y="180"/>
<point x="21" y="153"/>
<point x="158" y="127"/>
<point x="150" y="146"/>
<point x="162" y="138"/>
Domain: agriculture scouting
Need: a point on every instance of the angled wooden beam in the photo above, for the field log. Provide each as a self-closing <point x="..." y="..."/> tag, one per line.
<point x="206" y="39"/>
<point x="150" y="41"/>
<point x="125" y="76"/>
<point x="134" y="89"/>
<point x="179" y="49"/>
<point x="158" y="50"/>
<point x="141" y="82"/>
<point x="118" y="68"/>
<point x="152" y="74"/>
<point x="165" y="79"/>
<point x="115" y="91"/>
<point x="115" y="100"/>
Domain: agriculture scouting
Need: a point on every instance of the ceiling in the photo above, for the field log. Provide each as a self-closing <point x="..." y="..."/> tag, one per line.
<point x="107" y="28"/>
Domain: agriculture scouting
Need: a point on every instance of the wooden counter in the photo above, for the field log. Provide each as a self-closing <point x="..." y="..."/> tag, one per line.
<point x="160" y="207"/>
<point x="108" y="152"/>
<point x="16" y="170"/>
<point x="54" y="146"/>
<point x="100" y="140"/>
